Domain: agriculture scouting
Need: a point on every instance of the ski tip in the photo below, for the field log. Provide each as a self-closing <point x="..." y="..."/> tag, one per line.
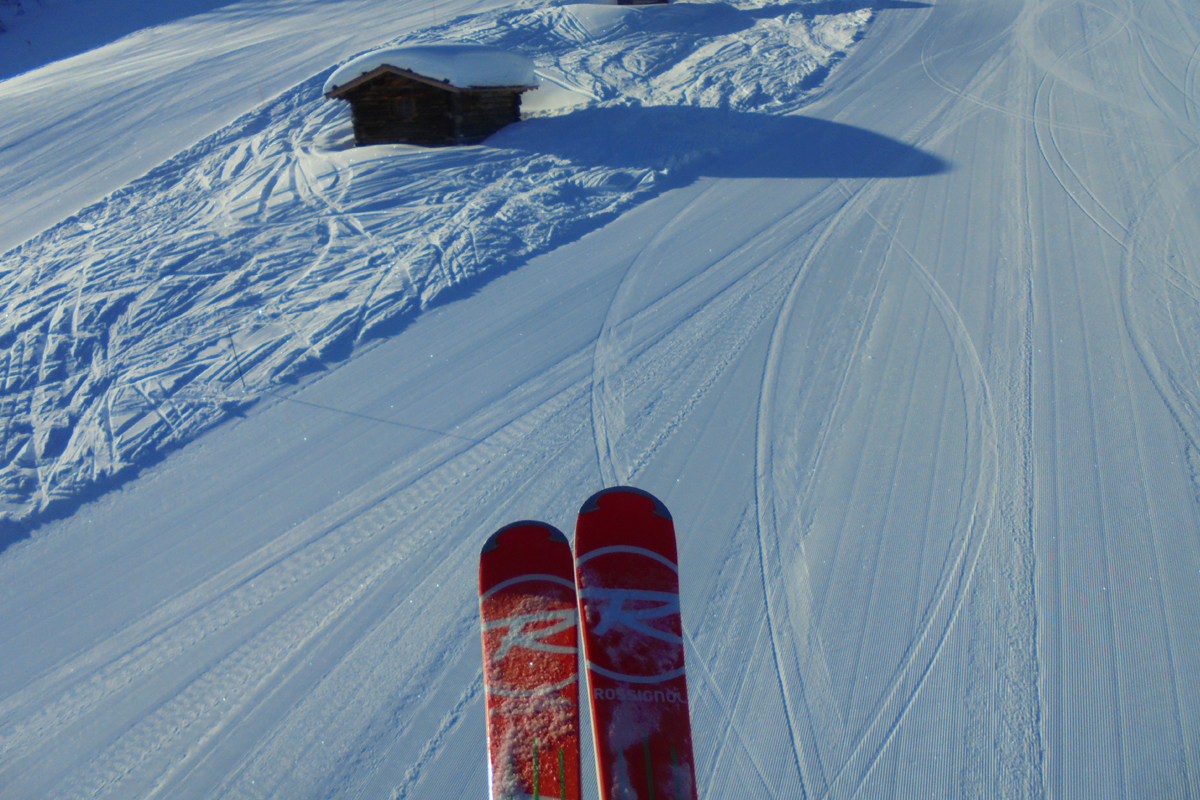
<point x="593" y="502"/>
<point x="554" y="534"/>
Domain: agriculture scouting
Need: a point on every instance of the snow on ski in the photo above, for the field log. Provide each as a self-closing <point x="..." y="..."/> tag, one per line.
<point x="530" y="663"/>
<point x="628" y="583"/>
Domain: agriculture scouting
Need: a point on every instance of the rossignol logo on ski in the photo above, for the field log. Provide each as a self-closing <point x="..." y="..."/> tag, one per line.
<point x="615" y="609"/>
<point x="520" y="632"/>
<point x="624" y="694"/>
<point x="528" y="633"/>
<point x="625" y="619"/>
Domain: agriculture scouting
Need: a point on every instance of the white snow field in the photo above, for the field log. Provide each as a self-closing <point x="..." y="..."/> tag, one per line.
<point x="895" y="304"/>
<point x="273" y="247"/>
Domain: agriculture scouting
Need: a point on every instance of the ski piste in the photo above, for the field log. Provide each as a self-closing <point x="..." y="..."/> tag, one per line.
<point x="530" y="663"/>
<point x="627" y="577"/>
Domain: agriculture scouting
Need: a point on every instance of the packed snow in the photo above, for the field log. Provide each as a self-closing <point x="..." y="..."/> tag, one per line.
<point x="273" y="248"/>
<point x="892" y="303"/>
<point x="461" y="65"/>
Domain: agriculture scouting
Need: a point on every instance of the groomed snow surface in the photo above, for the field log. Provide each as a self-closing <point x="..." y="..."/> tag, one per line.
<point x="272" y="247"/>
<point x="893" y="303"/>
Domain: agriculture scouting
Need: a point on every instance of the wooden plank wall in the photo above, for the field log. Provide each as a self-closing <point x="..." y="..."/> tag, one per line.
<point x="393" y="109"/>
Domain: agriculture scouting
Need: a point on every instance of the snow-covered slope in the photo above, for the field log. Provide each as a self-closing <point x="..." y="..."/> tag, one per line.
<point x="151" y="78"/>
<point x="928" y="428"/>
<point x="271" y="248"/>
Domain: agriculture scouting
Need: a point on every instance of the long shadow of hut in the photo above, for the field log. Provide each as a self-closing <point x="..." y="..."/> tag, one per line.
<point x="433" y="94"/>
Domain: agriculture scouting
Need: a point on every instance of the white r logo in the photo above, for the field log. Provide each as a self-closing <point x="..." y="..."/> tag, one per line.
<point x="613" y="612"/>
<point x="521" y="634"/>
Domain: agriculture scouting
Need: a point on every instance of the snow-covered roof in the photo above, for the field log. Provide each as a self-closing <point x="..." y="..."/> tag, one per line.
<point x="463" y="66"/>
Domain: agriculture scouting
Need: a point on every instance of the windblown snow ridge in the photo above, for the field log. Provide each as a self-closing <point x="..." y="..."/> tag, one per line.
<point x="272" y="248"/>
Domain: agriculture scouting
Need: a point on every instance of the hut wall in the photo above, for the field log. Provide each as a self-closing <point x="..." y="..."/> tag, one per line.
<point x="480" y="114"/>
<point x="393" y="108"/>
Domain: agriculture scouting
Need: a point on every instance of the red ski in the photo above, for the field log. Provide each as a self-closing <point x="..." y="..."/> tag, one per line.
<point x="627" y="577"/>
<point x="530" y="663"/>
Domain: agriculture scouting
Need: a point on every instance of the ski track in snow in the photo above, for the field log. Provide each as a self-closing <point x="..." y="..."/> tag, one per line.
<point x="272" y="249"/>
<point x="333" y="579"/>
<point x="256" y="242"/>
<point x="932" y="438"/>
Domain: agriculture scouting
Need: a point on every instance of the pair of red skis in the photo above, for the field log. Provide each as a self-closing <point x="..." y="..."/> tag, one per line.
<point x="623" y="584"/>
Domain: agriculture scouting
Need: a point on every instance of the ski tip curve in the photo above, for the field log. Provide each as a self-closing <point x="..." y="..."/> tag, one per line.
<point x="593" y="502"/>
<point x="554" y="534"/>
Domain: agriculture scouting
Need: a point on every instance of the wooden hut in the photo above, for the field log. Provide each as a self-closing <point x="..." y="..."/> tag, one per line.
<point x="432" y="95"/>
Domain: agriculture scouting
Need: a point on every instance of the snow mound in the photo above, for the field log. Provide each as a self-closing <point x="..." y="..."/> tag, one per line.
<point x="463" y="66"/>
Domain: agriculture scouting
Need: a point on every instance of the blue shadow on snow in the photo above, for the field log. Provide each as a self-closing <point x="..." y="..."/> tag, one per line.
<point x="718" y="143"/>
